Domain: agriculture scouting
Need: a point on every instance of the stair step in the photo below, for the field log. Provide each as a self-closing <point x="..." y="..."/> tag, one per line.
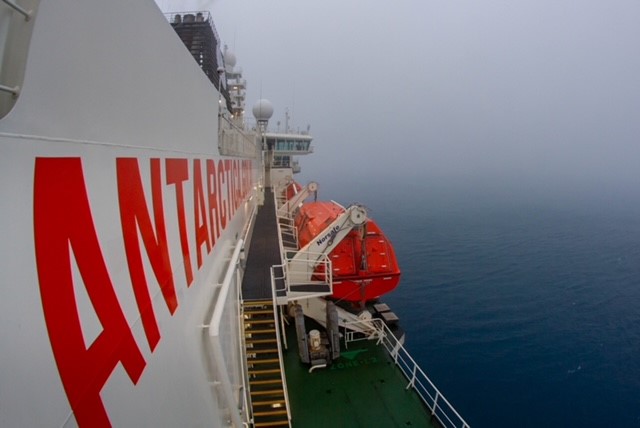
<point x="260" y="331"/>
<point x="259" y="312"/>
<point x="270" y="413"/>
<point x="265" y="381"/>
<point x="269" y="392"/>
<point x="280" y="402"/>
<point x="283" y="423"/>
<point x="264" y="361"/>
<point x="259" y="321"/>
<point x="264" y="371"/>
<point x="262" y="351"/>
<point x="251" y="340"/>
<point x="257" y="303"/>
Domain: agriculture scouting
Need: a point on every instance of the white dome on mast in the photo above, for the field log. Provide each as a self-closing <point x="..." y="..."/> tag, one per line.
<point x="263" y="110"/>
<point x="229" y="59"/>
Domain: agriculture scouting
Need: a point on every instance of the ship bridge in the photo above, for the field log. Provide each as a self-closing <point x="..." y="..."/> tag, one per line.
<point x="289" y="144"/>
<point x="283" y="146"/>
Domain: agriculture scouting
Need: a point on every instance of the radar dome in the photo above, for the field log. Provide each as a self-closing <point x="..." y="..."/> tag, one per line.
<point x="229" y="59"/>
<point x="262" y="110"/>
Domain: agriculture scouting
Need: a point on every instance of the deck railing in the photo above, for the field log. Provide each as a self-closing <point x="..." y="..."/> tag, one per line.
<point x="305" y="274"/>
<point x="279" y="340"/>
<point x="287" y="227"/>
<point x="309" y="268"/>
<point x="226" y="349"/>
<point x="313" y="268"/>
<point x="246" y="237"/>
<point x="440" y="408"/>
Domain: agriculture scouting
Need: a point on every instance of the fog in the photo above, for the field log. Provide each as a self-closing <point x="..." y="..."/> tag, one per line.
<point x="536" y="93"/>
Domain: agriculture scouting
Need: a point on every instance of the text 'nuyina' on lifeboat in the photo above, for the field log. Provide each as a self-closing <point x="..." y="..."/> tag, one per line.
<point x="364" y="263"/>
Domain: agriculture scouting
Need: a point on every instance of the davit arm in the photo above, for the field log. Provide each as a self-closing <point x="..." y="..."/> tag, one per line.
<point x="303" y="265"/>
<point x="287" y="209"/>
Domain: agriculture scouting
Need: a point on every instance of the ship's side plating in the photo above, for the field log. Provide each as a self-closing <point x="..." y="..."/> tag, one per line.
<point x="118" y="222"/>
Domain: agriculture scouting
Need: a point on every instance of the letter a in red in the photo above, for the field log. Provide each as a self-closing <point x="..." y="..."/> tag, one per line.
<point x="63" y="220"/>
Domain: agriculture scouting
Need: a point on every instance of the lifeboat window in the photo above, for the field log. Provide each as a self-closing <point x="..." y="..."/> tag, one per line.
<point x="16" y="25"/>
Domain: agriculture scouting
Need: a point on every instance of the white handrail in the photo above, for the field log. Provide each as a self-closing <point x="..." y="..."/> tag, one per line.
<point x="214" y="325"/>
<point x="12" y="4"/>
<point x="314" y="264"/>
<point x="243" y="361"/>
<point x="214" y="334"/>
<point x="440" y="408"/>
<point x="248" y="410"/>
<point x="278" y="340"/>
<point x="12" y="90"/>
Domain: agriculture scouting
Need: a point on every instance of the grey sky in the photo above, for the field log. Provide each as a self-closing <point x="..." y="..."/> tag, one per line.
<point x="544" y="90"/>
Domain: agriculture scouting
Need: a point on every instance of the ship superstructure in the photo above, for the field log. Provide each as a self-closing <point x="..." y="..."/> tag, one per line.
<point x="150" y="261"/>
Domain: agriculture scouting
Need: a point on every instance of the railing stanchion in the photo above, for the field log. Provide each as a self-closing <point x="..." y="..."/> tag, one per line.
<point x="18" y="8"/>
<point x="412" y="382"/>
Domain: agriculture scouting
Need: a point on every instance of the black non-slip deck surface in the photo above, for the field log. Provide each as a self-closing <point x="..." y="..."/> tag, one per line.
<point x="264" y="252"/>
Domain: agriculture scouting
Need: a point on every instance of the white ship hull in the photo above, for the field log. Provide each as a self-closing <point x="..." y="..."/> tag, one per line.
<point x="113" y="113"/>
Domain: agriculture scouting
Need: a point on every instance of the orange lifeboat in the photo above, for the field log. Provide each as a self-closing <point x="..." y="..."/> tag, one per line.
<point x="364" y="262"/>
<point x="292" y="189"/>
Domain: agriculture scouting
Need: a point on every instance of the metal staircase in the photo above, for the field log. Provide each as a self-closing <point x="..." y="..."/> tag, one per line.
<point x="266" y="377"/>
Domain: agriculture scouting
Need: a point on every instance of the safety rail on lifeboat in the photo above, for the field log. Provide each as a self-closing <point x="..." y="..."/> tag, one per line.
<point x="289" y="279"/>
<point x="298" y="277"/>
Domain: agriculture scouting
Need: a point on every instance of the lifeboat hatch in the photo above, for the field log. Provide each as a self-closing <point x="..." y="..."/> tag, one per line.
<point x="343" y="258"/>
<point x="377" y="254"/>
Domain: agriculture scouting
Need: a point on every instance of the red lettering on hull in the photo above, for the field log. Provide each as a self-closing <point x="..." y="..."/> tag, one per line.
<point x="63" y="220"/>
<point x="214" y="213"/>
<point x="222" y="203"/>
<point x="177" y="173"/>
<point x="64" y="228"/>
<point x="133" y="216"/>
<point x="199" y="212"/>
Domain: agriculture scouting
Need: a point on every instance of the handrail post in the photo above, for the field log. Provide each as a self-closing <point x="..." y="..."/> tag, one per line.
<point x="412" y="382"/>
<point x="14" y="91"/>
<point x="12" y="4"/>
<point x="435" y="403"/>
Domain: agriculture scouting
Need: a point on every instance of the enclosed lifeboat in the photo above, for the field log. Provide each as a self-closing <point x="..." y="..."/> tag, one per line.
<point x="364" y="263"/>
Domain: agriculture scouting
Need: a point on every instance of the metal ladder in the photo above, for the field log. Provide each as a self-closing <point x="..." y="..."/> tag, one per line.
<point x="264" y="367"/>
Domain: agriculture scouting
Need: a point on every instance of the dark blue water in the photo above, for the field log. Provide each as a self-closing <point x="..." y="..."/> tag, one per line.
<point x="523" y="308"/>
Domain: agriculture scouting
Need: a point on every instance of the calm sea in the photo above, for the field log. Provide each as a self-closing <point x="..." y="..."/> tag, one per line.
<point x="523" y="307"/>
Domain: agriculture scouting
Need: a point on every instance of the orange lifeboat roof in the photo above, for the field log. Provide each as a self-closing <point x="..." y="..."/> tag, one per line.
<point x="313" y="218"/>
<point x="364" y="263"/>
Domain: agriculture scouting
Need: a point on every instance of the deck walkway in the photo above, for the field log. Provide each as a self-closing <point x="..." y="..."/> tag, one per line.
<point x="363" y="388"/>
<point x="264" y="252"/>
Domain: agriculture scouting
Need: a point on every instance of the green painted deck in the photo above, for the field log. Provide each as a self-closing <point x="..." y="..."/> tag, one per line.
<point x="363" y="388"/>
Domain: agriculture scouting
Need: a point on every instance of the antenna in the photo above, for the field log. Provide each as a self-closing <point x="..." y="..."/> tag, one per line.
<point x="286" y="120"/>
<point x="293" y="102"/>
